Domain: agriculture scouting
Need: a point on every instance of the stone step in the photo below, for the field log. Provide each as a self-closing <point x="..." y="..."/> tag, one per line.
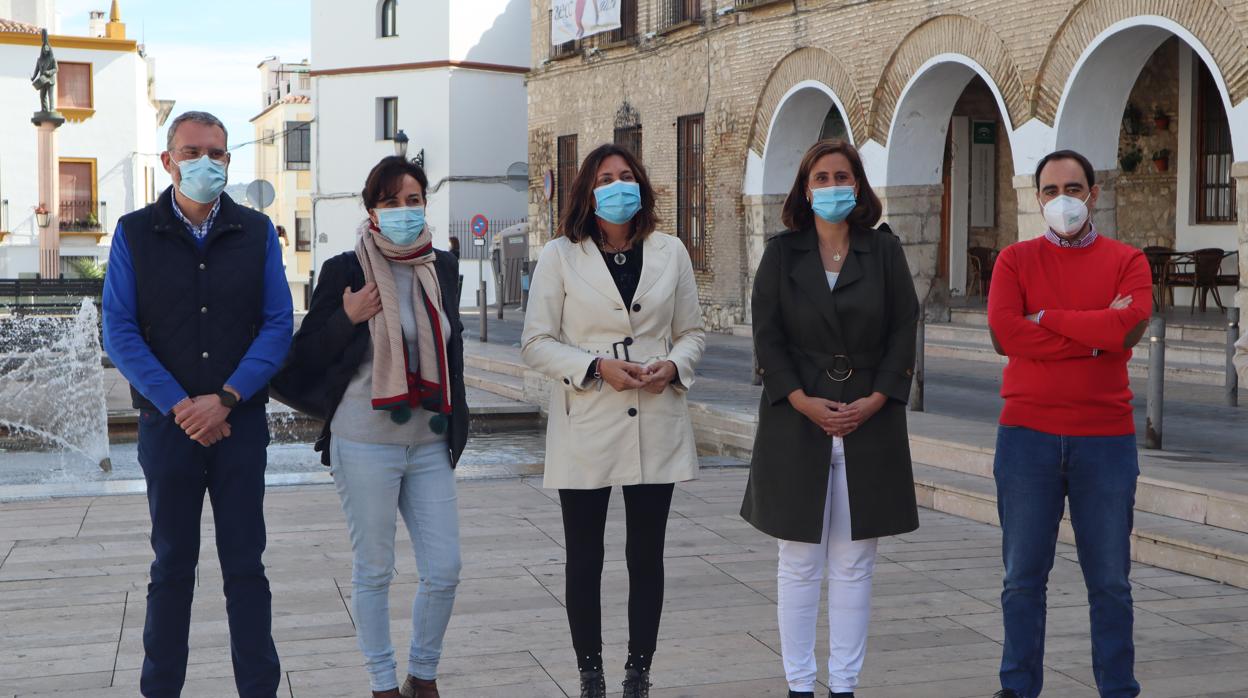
<point x="494" y="365"/>
<point x="1186" y="362"/>
<point x="1176" y="330"/>
<point x="1193" y="504"/>
<point x="506" y="385"/>
<point x="1174" y="544"/>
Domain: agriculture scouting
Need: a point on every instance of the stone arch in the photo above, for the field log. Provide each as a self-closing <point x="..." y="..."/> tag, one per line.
<point x="1089" y="109"/>
<point x="1209" y="23"/>
<point x="946" y="34"/>
<point x="803" y="65"/>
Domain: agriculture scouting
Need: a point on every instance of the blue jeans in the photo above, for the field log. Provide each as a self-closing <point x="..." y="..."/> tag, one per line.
<point x="375" y="481"/>
<point x="1035" y="473"/>
<point x="178" y="473"/>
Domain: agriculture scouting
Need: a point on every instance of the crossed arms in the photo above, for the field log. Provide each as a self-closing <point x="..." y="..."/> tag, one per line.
<point x="1067" y="334"/>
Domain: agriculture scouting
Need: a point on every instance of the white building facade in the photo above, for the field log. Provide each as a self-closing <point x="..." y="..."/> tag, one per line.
<point x="283" y="134"/>
<point x="107" y="150"/>
<point x="451" y="76"/>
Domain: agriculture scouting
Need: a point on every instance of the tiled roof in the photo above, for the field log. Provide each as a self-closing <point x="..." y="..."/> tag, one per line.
<point x="288" y="99"/>
<point x="16" y="27"/>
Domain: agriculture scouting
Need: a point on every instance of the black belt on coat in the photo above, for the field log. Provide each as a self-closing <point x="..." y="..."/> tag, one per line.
<point x="839" y="367"/>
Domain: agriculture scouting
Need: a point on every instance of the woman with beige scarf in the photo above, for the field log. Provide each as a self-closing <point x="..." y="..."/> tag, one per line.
<point x="379" y="358"/>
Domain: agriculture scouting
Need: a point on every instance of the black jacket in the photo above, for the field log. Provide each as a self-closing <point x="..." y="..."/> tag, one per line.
<point x="328" y="349"/>
<point x="801" y="327"/>
<point x="200" y="307"/>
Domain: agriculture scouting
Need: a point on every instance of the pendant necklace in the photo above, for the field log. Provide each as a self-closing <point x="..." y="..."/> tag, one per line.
<point x="619" y="257"/>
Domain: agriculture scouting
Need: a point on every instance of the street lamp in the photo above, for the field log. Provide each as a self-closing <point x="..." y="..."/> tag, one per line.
<point x="400" y="148"/>
<point x="42" y="217"/>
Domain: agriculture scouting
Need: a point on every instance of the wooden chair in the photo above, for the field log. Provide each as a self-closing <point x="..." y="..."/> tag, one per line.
<point x="974" y="276"/>
<point x="1207" y="265"/>
<point x="1161" y="264"/>
<point x="986" y="257"/>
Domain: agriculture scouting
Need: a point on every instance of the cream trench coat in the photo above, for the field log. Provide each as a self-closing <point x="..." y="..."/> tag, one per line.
<point x="595" y="436"/>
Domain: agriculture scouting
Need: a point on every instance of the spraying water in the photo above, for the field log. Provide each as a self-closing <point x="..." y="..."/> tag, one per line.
<point x="52" y="384"/>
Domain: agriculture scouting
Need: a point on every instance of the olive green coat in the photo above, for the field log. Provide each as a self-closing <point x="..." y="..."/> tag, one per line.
<point x="799" y="326"/>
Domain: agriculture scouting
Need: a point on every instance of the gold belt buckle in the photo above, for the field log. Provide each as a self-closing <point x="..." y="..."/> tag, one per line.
<point x="838" y="374"/>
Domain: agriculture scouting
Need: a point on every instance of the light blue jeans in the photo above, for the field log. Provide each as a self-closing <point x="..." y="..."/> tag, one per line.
<point x="375" y="480"/>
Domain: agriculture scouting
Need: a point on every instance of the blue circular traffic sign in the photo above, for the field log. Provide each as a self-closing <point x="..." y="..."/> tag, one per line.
<point x="480" y="225"/>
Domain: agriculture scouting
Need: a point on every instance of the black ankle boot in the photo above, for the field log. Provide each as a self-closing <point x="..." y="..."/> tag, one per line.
<point x="593" y="685"/>
<point x="636" y="683"/>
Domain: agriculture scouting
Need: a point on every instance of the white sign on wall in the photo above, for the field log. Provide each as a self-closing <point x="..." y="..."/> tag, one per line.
<point x="576" y="19"/>
<point x="983" y="174"/>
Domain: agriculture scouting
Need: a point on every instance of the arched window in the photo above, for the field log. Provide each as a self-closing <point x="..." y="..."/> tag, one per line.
<point x="389" y="18"/>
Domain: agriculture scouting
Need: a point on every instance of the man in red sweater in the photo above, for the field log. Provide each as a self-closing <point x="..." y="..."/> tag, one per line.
<point x="1067" y="308"/>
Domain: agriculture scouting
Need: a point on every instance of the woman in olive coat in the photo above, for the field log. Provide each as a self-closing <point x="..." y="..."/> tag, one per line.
<point x="835" y="314"/>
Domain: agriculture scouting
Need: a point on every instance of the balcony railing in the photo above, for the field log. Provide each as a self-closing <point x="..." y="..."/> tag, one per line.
<point x="751" y="4"/>
<point x="80" y="216"/>
<point x="676" y="13"/>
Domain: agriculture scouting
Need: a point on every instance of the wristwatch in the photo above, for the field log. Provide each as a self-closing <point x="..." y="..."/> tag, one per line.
<point x="228" y="399"/>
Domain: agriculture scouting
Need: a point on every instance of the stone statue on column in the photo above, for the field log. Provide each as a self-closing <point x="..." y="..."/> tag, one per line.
<point x="46" y="121"/>
<point x="44" y="78"/>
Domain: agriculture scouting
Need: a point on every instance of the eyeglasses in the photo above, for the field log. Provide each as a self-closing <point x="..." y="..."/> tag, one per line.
<point x="190" y="152"/>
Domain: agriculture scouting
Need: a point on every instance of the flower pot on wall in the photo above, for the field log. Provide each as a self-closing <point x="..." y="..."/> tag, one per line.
<point x="1162" y="123"/>
<point x="1162" y="164"/>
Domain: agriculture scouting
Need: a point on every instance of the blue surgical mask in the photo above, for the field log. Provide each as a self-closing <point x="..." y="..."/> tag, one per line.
<point x="618" y="201"/>
<point x="833" y="204"/>
<point x="202" y="179"/>
<point x="401" y="225"/>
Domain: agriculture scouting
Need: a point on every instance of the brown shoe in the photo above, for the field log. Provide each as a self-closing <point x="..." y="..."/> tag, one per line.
<point x="419" y="688"/>
<point x="392" y="693"/>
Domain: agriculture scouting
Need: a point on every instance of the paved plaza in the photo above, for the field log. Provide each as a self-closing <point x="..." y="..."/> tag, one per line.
<point x="73" y="573"/>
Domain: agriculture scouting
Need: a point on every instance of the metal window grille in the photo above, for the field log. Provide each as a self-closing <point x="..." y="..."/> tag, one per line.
<point x="751" y="4"/>
<point x="567" y="48"/>
<point x="1215" y="187"/>
<point x="628" y="24"/>
<point x="676" y="12"/>
<point x="566" y="169"/>
<point x="691" y="188"/>
<point x="630" y="138"/>
<point x="298" y="145"/>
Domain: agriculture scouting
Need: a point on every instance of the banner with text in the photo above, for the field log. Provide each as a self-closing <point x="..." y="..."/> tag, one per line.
<point x="576" y="19"/>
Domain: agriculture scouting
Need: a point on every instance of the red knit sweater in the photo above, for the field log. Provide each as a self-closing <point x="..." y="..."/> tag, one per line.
<point x="1052" y="382"/>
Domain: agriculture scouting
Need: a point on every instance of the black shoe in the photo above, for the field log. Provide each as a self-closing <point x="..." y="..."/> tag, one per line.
<point x="840" y="695"/>
<point x="1007" y="693"/>
<point x="636" y="684"/>
<point x="593" y="685"/>
<point x="801" y="694"/>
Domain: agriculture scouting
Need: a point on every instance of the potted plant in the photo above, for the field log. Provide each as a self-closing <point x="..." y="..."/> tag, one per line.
<point x="1161" y="160"/>
<point x="1132" y="119"/>
<point x="92" y="221"/>
<point x="1160" y="118"/>
<point x="1130" y="159"/>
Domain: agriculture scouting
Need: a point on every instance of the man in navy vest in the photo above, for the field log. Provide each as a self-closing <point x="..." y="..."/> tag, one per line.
<point x="198" y="317"/>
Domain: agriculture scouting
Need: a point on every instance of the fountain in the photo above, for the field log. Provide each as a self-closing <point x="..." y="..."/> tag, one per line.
<point x="52" y="385"/>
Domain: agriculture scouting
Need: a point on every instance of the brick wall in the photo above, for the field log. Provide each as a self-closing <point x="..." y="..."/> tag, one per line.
<point x="733" y="69"/>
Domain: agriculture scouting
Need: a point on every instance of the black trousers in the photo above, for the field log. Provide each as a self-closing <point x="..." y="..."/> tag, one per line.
<point x="584" y="523"/>
<point x="179" y="472"/>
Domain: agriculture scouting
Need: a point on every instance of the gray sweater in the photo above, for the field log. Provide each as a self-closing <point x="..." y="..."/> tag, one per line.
<point x="356" y="420"/>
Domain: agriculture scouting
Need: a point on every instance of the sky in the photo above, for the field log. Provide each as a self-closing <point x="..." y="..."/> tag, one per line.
<point x="206" y="55"/>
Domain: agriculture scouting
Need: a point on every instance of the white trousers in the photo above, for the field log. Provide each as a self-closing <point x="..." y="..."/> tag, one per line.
<point x="848" y="565"/>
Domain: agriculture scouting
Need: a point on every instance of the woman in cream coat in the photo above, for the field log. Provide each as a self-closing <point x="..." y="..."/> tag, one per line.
<point x="614" y="321"/>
